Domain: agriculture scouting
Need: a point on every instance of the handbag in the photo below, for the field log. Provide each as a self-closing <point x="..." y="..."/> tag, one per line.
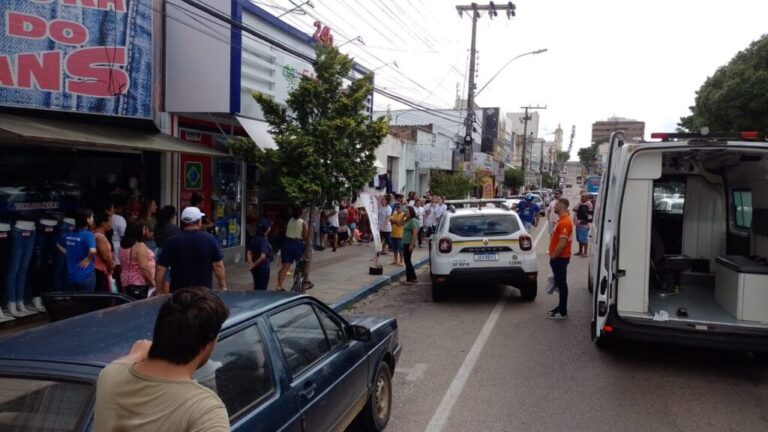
<point x="138" y="292"/>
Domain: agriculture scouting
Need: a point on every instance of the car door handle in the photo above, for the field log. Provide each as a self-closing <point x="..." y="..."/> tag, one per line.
<point x="309" y="391"/>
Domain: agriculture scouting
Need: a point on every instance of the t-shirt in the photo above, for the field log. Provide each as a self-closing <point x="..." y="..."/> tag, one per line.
<point x="564" y="228"/>
<point x="439" y="211"/>
<point x="408" y="230"/>
<point x="129" y="401"/>
<point x="429" y="211"/>
<point x="384" y="213"/>
<point x="165" y="231"/>
<point x="260" y="245"/>
<point x="527" y="211"/>
<point x="78" y="243"/>
<point x="582" y="213"/>
<point x="553" y="216"/>
<point x="420" y="214"/>
<point x="333" y="216"/>
<point x="397" y="229"/>
<point x="352" y="215"/>
<point x="119" y="225"/>
<point x="191" y="254"/>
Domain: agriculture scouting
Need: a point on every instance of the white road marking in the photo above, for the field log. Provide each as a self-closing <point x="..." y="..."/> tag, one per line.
<point x="413" y="373"/>
<point x="443" y="412"/>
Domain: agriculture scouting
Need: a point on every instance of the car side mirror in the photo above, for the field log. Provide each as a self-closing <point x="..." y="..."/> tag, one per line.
<point x="359" y="333"/>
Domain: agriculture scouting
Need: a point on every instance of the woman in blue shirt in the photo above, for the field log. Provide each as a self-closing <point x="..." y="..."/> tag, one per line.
<point x="259" y="255"/>
<point x="80" y="247"/>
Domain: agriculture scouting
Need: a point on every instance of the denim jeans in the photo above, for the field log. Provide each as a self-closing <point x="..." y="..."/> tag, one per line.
<point x="131" y="29"/>
<point x="87" y="285"/>
<point x="22" y="244"/>
<point x="410" y="271"/>
<point x="5" y="254"/>
<point x="560" y="272"/>
<point x="41" y="267"/>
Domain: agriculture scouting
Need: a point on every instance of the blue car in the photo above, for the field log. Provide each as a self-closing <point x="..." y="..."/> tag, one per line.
<point x="284" y="362"/>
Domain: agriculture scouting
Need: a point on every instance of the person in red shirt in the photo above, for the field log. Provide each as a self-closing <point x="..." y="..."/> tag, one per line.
<point x="560" y="256"/>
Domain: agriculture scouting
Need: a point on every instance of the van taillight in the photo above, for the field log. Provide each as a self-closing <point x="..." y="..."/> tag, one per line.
<point x="445" y="245"/>
<point x="525" y="243"/>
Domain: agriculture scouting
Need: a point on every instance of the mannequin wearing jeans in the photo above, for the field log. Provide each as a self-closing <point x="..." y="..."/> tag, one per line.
<point x="5" y="253"/>
<point x="22" y="244"/>
<point x="41" y="265"/>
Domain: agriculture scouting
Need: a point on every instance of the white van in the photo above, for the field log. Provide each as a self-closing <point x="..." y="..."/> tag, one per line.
<point x="693" y="272"/>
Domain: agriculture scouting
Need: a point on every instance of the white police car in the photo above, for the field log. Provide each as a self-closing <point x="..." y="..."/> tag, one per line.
<point x="483" y="243"/>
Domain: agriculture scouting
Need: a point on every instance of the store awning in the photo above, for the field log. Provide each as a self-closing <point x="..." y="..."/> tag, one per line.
<point x="259" y="132"/>
<point x="19" y="129"/>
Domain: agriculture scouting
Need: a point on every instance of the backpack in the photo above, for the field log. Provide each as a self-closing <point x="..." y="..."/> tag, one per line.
<point x="582" y="214"/>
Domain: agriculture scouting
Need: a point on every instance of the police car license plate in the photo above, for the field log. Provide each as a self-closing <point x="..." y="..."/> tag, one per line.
<point x="486" y="257"/>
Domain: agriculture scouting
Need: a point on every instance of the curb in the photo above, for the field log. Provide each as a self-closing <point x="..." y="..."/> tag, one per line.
<point x="356" y="296"/>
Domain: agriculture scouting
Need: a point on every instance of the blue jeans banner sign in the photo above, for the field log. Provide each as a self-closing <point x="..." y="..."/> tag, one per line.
<point x="88" y="56"/>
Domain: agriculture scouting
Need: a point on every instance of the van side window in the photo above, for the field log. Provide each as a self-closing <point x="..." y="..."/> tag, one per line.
<point x="742" y="203"/>
<point x="238" y="371"/>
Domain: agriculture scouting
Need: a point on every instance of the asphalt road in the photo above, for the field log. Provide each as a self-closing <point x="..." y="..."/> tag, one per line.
<point x="485" y="360"/>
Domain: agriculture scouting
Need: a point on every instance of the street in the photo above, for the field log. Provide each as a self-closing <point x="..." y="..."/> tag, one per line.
<point x="484" y="360"/>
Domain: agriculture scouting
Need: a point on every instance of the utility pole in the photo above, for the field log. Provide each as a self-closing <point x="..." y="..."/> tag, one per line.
<point x="475" y="9"/>
<point x="526" y="118"/>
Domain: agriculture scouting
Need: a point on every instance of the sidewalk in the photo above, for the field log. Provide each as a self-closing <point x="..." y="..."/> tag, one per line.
<point x="341" y="278"/>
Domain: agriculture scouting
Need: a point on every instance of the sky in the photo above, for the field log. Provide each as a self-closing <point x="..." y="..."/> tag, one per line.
<point x="636" y="59"/>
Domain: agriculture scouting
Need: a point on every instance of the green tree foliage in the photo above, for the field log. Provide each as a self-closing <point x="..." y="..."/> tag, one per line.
<point x="588" y="157"/>
<point x="562" y="158"/>
<point x="513" y="178"/>
<point x="451" y="185"/>
<point x="735" y="98"/>
<point x="548" y="180"/>
<point x="325" y="141"/>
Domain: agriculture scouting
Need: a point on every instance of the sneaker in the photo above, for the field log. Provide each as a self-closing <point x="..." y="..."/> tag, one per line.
<point x="556" y="316"/>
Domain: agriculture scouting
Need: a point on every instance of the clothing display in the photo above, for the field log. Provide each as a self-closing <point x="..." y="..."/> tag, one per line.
<point x="42" y="263"/>
<point x="22" y="246"/>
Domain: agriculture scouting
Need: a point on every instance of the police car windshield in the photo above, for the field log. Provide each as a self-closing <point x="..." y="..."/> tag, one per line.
<point x="483" y="225"/>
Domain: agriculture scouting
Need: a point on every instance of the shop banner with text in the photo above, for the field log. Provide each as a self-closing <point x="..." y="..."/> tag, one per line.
<point x="371" y="204"/>
<point x="87" y="56"/>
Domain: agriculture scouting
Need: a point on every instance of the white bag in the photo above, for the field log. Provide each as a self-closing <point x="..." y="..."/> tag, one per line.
<point x="551" y="288"/>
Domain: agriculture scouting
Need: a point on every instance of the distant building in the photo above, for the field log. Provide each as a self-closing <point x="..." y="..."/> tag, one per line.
<point x="633" y="130"/>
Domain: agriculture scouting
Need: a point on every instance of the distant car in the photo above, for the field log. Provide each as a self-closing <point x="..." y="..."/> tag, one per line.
<point x="283" y="362"/>
<point x="482" y="246"/>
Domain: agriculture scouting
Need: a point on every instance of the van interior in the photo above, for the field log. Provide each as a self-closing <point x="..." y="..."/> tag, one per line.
<point x="694" y="238"/>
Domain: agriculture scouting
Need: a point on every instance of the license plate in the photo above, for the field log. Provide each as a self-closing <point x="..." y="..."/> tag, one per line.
<point x="486" y="257"/>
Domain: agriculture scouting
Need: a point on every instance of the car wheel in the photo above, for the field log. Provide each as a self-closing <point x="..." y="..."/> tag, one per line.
<point x="529" y="291"/>
<point x="375" y="416"/>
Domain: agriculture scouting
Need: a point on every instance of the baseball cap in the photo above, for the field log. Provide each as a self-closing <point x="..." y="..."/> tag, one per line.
<point x="529" y="197"/>
<point x="191" y="214"/>
<point x="265" y="224"/>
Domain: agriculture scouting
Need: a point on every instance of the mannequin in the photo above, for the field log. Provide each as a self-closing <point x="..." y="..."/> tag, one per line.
<point x="41" y="265"/>
<point x="5" y="253"/>
<point x="22" y="245"/>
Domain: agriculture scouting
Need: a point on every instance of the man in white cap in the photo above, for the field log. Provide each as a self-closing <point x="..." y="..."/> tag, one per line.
<point x="193" y="254"/>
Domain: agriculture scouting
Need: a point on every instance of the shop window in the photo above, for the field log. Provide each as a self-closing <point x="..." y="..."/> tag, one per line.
<point x="227" y="201"/>
<point x="742" y="202"/>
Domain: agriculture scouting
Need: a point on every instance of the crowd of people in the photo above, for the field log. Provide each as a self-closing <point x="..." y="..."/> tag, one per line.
<point x="115" y="250"/>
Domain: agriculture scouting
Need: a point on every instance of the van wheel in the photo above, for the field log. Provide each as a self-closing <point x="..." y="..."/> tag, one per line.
<point x="375" y="416"/>
<point x="529" y="291"/>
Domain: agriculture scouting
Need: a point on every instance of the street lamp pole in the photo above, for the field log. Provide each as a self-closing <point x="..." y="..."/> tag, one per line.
<point x="538" y="51"/>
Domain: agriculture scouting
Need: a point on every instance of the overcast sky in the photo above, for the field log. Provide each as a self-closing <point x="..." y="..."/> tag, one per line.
<point x="637" y="59"/>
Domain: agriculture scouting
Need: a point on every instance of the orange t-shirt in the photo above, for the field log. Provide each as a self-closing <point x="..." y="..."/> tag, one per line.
<point x="564" y="228"/>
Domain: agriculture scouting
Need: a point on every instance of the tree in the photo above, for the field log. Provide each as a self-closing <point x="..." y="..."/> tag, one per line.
<point x="736" y="96"/>
<point x="548" y="180"/>
<point x="451" y="185"/>
<point x="325" y="141"/>
<point x="562" y="158"/>
<point x="588" y="157"/>
<point x="513" y="178"/>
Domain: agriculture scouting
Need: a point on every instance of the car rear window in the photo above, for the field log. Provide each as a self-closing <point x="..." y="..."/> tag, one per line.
<point x="483" y="225"/>
<point x="41" y="405"/>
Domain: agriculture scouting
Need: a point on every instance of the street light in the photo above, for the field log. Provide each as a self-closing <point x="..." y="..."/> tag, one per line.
<point x="358" y="39"/>
<point x="538" y="51"/>
<point x="393" y="63"/>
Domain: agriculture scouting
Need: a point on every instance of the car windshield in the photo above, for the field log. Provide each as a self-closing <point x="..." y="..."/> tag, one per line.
<point x="40" y="405"/>
<point x="483" y="225"/>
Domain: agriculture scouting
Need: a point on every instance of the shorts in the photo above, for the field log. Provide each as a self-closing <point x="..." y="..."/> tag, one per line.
<point x="352" y="227"/>
<point x="582" y="234"/>
<point x="397" y="244"/>
<point x="292" y="251"/>
<point x="343" y="235"/>
<point x="328" y="229"/>
<point x="386" y="237"/>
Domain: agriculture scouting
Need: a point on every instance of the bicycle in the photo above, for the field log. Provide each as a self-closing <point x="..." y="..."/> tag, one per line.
<point x="300" y="285"/>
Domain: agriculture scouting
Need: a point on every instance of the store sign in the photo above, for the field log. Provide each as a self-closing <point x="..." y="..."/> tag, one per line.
<point x="322" y="33"/>
<point x="433" y="157"/>
<point x="90" y="56"/>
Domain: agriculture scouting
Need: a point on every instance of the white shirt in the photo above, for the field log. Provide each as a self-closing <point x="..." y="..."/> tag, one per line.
<point x="551" y="215"/>
<point x="385" y="212"/>
<point x="334" y="220"/>
<point x="420" y="214"/>
<point x="430" y="215"/>
<point x="118" y="232"/>
<point x="439" y="211"/>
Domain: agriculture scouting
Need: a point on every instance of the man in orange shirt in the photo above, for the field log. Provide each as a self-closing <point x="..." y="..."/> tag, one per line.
<point x="560" y="256"/>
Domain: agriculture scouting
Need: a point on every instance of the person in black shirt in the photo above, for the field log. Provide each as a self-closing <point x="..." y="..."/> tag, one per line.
<point x="259" y="256"/>
<point x="193" y="255"/>
<point x="165" y="227"/>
